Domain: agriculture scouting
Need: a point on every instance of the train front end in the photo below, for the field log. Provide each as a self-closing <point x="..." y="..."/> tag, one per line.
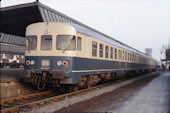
<point x="49" y="51"/>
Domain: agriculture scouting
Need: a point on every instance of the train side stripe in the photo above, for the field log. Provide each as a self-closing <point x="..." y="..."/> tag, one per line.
<point x="105" y="70"/>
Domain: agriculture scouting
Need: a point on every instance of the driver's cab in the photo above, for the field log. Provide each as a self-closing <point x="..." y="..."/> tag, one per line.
<point x="51" y="39"/>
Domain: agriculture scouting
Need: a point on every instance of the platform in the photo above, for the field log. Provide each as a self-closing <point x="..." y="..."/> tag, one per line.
<point x="11" y="74"/>
<point x="10" y="84"/>
<point x="151" y="95"/>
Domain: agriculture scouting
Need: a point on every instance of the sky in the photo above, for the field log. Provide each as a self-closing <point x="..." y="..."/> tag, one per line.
<point x="138" y="23"/>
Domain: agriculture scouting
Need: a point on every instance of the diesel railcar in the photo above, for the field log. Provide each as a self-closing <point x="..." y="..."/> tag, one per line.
<point x="69" y="54"/>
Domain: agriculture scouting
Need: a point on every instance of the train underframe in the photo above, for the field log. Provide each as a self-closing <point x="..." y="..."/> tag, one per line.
<point x="40" y="80"/>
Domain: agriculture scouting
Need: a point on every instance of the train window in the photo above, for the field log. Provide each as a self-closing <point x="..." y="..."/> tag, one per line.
<point x="72" y="45"/>
<point x="132" y="56"/>
<point x="94" y="48"/>
<point x="115" y="53"/>
<point x="79" y="44"/>
<point x="106" y="51"/>
<point x="128" y="57"/>
<point x="135" y="58"/>
<point x="31" y="42"/>
<point x="46" y="42"/>
<point x="123" y="54"/>
<point x="65" y="42"/>
<point x="101" y="50"/>
<point x="111" y="52"/>
<point x="119" y="54"/>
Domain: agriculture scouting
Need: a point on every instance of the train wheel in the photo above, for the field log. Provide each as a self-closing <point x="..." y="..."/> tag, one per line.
<point x="88" y="85"/>
<point x="40" y="83"/>
<point x="82" y="82"/>
<point x="36" y="80"/>
<point x="74" y="88"/>
<point x="33" y="80"/>
<point x="56" y="83"/>
<point x="89" y="82"/>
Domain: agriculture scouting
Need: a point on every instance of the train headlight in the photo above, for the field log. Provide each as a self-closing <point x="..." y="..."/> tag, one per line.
<point x="32" y="62"/>
<point x="59" y="63"/>
<point x="27" y="62"/>
<point x="65" y="63"/>
<point x="46" y="31"/>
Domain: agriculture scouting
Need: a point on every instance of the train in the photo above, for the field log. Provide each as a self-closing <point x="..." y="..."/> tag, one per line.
<point x="76" y="56"/>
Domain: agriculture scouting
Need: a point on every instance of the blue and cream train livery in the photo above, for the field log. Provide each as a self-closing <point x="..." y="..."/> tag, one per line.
<point x="69" y="54"/>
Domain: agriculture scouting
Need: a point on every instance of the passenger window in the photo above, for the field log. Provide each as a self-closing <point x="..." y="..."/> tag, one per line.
<point x="79" y="44"/>
<point x="46" y="42"/>
<point x="65" y="42"/>
<point x="123" y="55"/>
<point x="111" y="52"/>
<point x="94" y="48"/>
<point x="119" y="54"/>
<point x="106" y="51"/>
<point x="115" y="53"/>
<point x="31" y="42"/>
<point x="101" y="50"/>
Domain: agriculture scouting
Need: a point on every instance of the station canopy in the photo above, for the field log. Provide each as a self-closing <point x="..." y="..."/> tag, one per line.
<point x="15" y="19"/>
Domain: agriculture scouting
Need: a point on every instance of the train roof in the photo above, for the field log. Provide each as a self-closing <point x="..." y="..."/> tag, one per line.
<point x="106" y="38"/>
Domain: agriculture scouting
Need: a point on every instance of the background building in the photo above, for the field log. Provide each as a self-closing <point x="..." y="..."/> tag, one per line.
<point x="168" y="58"/>
<point x="148" y="52"/>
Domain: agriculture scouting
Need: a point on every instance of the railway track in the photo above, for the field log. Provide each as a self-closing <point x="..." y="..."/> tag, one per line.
<point x="10" y="100"/>
<point x="26" y="105"/>
<point x="54" y="98"/>
<point x="8" y="105"/>
<point x="16" y="108"/>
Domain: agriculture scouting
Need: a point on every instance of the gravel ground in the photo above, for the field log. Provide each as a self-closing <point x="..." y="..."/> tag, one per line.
<point x="57" y="105"/>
